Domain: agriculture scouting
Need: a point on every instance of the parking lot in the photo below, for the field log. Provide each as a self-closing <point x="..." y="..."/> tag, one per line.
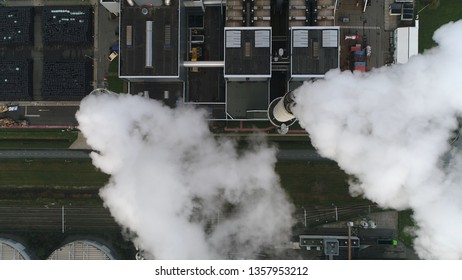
<point x="374" y="26"/>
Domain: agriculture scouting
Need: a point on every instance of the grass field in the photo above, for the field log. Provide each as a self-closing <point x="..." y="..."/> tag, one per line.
<point x="40" y="182"/>
<point x="115" y="84"/>
<point x="432" y="19"/>
<point x="64" y="173"/>
<point x="114" y="66"/>
<point x="404" y="221"/>
<point x="36" y="138"/>
<point x="316" y="184"/>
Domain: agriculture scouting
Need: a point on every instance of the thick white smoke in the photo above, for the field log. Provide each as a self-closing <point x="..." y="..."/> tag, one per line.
<point x="182" y="193"/>
<point x="390" y="129"/>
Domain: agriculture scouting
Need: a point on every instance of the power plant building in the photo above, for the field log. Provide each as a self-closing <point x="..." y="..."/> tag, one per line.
<point x="231" y="58"/>
<point x="314" y="51"/>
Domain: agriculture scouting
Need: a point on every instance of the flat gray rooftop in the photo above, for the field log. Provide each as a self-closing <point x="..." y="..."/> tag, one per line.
<point x="149" y="40"/>
<point x="314" y="51"/>
<point x="247" y="100"/>
<point x="169" y="92"/>
<point x="248" y="51"/>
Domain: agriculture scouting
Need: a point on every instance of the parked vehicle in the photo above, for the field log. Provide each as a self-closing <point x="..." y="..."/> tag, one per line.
<point x="8" y="108"/>
<point x="112" y="55"/>
<point x="353" y="37"/>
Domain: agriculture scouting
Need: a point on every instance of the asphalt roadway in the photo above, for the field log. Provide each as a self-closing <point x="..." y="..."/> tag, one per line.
<point x="45" y="114"/>
<point x="282" y="155"/>
<point x="44" y="154"/>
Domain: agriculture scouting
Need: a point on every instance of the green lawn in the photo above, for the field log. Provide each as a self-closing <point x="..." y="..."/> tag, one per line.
<point x="307" y="184"/>
<point x="316" y="184"/>
<point x="115" y="84"/>
<point x="36" y="138"/>
<point x="432" y="19"/>
<point x="40" y="182"/>
<point x="405" y="220"/>
<point x="50" y="173"/>
<point x="114" y="66"/>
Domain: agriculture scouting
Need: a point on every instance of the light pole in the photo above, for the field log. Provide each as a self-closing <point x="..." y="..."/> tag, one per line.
<point x="336" y="212"/>
<point x="304" y="212"/>
<point x="349" y="224"/>
<point x="62" y="219"/>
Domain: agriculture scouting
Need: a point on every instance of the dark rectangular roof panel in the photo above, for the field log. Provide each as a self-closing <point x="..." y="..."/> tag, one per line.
<point x="66" y="79"/>
<point x="248" y="52"/>
<point x="315" y="50"/>
<point x="408" y="6"/>
<point x="67" y="25"/>
<point x="407" y="16"/>
<point x="149" y="41"/>
<point x="247" y="100"/>
<point x="168" y="92"/>
<point x="395" y="8"/>
<point x="16" y="26"/>
<point x="16" y="80"/>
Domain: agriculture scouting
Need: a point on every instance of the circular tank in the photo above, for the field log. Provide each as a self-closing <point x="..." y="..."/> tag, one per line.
<point x="12" y="250"/>
<point x="82" y="250"/>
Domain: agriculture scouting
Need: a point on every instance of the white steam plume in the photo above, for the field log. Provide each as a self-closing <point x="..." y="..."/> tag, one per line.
<point x="170" y="179"/>
<point x="389" y="128"/>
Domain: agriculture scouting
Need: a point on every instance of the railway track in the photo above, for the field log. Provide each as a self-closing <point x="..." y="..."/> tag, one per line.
<point x="56" y="219"/>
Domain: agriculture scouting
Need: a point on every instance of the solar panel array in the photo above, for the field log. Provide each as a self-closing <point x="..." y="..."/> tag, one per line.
<point x="16" y="26"/>
<point x="408" y="11"/>
<point x="66" y="79"/>
<point x="15" y="80"/>
<point x="71" y="25"/>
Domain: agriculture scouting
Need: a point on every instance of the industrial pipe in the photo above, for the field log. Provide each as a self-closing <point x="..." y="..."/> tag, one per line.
<point x="203" y="64"/>
<point x="280" y="111"/>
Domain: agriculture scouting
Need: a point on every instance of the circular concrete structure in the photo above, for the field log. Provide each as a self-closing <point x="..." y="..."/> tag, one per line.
<point x="12" y="250"/>
<point x="82" y="250"/>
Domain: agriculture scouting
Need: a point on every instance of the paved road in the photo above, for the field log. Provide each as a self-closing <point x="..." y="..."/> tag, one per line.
<point x="375" y="24"/>
<point x="44" y="154"/>
<point x="45" y="115"/>
<point x="283" y="155"/>
<point x="300" y="155"/>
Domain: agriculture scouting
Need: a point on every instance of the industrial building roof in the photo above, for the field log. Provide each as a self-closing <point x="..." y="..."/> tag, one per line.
<point x="406" y="43"/>
<point x="248" y="52"/>
<point x="149" y="41"/>
<point x="170" y="92"/>
<point x="315" y="50"/>
<point x="247" y="100"/>
<point x="237" y="74"/>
